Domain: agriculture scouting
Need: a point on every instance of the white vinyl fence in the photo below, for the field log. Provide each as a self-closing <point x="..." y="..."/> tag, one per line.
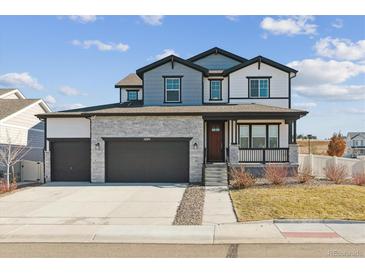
<point x="31" y="171"/>
<point x="317" y="164"/>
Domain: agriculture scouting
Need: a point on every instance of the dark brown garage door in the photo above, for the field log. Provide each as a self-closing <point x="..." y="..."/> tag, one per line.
<point x="151" y="160"/>
<point x="70" y="160"/>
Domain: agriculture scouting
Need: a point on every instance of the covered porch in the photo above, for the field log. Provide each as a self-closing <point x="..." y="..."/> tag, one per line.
<point x="251" y="139"/>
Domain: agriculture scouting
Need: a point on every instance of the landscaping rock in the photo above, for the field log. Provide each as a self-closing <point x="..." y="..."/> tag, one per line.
<point x="190" y="211"/>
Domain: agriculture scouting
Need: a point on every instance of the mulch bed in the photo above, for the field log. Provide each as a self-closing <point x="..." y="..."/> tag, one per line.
<point x="190" y="210"/>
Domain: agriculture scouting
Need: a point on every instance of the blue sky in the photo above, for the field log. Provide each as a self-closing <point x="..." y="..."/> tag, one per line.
<point x="75" y="61"/>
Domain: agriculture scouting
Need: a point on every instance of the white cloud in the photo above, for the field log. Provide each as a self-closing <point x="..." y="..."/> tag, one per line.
<point x="292" y="25"/>
<point x="343" y="49"/>
<point x="165" y="53"/>
<point x="84" y="19"/>
<point x="71" y="106"/>
<point x="327" y="79"/>
<point x="331" y="92"/>
<point x="306" y="105"/>
<point x="317" y="71"/>
<point x="70" y="91"/>
<point x="50" y="100"/>
<point x="86" y="44"/>
<point x="153" y="20"/>
<point x="233" y="18"/>
<point x="338" y="23"/>
<point x="20" y="79"/>
<point x="355" y="111"/>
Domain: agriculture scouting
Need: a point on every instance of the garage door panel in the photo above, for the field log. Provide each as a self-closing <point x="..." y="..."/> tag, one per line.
<point x="147" y="161"/>
<point x="70" y="160"/>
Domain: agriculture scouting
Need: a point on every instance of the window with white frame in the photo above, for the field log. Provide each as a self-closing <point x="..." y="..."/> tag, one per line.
<point x="259" y="88"/>
<point x="273" y="136"/>
<point x="244" y="140"/>
<point x="215" y="90"/>
<point x="258" y="139"/>
<point x="172" y="90"/>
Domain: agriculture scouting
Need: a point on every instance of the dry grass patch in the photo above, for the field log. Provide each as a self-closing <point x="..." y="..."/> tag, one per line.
<point x="300" y="202"/>
<point x="318" y="147"/>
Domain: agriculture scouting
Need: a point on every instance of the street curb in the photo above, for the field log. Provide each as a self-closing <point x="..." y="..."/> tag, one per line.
<point x="259" y="233"/>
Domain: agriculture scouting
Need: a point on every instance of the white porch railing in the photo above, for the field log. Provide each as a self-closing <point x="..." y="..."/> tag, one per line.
<point x="263" y="155"/>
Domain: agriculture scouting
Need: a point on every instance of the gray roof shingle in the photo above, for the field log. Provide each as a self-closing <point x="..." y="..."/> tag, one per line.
<point x="131" y="79"/>
<point x="5" y="90"/>
<point x="8" y="107"/>
<point x="138" y="109"/>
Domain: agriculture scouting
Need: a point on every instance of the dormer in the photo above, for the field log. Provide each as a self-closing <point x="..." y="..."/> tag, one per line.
<point x="130" y="88"/>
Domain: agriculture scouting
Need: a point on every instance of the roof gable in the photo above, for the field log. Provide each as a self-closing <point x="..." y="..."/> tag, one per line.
<point x="131" y="80"/>
<point x="172" y="59"/>
<point x="260" y="59"/>
<point x="217" y="50"/>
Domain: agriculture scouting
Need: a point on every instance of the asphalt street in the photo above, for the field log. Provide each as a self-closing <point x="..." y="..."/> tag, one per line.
<point x="113" y="250"/>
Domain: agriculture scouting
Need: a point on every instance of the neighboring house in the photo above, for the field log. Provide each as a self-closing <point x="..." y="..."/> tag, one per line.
<point x="175" y="116"/>
<point x="19" y="125"/>
<point x="355" y="143"/>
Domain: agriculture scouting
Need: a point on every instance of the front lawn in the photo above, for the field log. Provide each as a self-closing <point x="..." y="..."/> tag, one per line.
<point x="300" y="202"/>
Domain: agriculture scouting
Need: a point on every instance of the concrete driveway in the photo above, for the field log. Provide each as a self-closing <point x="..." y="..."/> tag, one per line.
<point x="65" y="203"/>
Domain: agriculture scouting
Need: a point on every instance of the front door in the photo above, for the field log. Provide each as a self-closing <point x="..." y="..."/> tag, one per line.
<point x="215" y="139"/>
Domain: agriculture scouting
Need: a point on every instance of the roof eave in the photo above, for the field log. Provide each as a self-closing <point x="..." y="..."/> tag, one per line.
<point x="128" y="86"/>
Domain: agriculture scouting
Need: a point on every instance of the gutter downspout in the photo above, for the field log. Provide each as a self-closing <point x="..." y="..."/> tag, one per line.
<point x="89" y="117"/>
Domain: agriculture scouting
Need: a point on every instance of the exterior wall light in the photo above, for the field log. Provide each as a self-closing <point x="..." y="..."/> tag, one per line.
<point x="195" y="146"/>
<point x="97" y="146"/>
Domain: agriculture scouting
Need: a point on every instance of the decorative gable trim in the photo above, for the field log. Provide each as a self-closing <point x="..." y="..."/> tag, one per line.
<point x="172" y="59"/>
<point x="217" y="50"/>
<point x="259" y="60"/>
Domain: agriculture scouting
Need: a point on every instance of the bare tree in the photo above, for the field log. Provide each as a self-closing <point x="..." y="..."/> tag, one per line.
<point x="11" y="154"/>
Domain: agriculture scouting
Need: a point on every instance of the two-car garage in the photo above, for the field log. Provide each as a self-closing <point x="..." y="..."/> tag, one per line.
<point x="147" y="160"/>
<point x="126" y="159"/>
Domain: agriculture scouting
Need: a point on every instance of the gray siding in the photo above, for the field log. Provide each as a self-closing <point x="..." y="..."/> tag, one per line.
<point x="191" y="84"/>
<point x="217" y="61"/>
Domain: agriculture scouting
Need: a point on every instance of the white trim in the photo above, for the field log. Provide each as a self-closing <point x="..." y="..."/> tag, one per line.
<point x="17" y="91"/>
<point x="179" y="90"/>
<point x="40" y="101"/>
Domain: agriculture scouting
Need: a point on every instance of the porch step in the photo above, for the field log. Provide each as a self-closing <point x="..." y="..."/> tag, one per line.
<point x="215" y="174"/>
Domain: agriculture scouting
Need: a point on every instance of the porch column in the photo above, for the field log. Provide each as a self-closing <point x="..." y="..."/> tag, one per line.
<point x="233" y="147"/>
<point x="295" y="132"/>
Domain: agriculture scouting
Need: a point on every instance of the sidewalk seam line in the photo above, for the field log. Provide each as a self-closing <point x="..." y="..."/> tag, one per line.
<point x="330" y="228"/>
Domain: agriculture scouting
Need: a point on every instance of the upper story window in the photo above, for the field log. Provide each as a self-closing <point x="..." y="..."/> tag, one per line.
<point x="172" y="90"/>
<point x="132" y="95"/>
<point x="258" y="88"/>
<point x="215" y="89"/>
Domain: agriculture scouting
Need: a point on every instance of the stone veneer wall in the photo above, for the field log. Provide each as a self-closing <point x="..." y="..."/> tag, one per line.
<point x="293" y="154"/>
<point x="146" y="126"/>
<point x="47" y="166"/>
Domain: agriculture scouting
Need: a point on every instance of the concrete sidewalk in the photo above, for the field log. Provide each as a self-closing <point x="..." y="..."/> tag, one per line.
<point x="257" y="232"/>
<point x="218" y="206"/>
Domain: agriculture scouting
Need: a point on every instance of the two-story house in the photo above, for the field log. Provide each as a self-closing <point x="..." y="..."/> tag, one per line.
<point x="355" y="144"/>
<point x="19" y="126"/>
<point x="176" y="115"/>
